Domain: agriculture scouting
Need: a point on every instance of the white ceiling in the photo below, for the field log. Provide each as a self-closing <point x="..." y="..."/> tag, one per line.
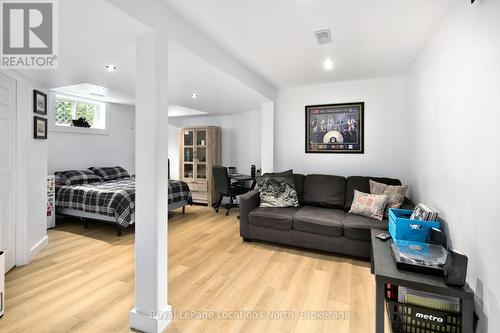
<point x="92" y="33"/>
<point x="275" y="38"/>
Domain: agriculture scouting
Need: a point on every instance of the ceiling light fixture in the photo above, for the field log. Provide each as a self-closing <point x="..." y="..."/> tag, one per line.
<point x="328" y="64"/>
<point x="111" y="68"/>
<point x="194" y="95"/>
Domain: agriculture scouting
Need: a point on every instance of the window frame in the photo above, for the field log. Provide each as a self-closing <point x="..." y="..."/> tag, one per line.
<point x="102" y="111"/>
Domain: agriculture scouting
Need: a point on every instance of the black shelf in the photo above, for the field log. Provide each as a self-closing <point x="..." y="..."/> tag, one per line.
<point x="384" y="268"/>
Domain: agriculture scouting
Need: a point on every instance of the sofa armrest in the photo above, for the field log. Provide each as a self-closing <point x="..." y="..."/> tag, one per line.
<point x="248" y="202"/>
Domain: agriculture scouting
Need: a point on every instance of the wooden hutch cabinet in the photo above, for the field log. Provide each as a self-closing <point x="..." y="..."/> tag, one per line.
<point x="199" y="151"/>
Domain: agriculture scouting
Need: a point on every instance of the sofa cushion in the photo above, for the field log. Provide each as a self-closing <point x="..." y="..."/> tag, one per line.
<point x="299" y="186"/>
<point x="358" y="227"/>
<point x="275" y="218"/>
<point x="362" y="184"/>
<point x="322" y="221"/>
<point x="324" y="191"/>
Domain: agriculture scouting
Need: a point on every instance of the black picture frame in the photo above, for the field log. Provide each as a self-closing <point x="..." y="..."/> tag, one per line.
<point x="39" y="102"/>
<point x="39" y="128"/>
<point x="335" y="128"/>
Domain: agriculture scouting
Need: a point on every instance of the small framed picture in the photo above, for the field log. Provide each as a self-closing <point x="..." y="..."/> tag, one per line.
<point x="40" y="128"/>
<point x="39" y="102"/>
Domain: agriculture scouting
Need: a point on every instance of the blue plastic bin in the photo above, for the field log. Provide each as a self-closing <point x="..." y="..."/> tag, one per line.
<point x="402" y="228"/>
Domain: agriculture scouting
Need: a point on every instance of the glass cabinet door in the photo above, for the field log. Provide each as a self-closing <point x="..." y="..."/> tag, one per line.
<point x="201" y="154"/>
<point x="201" y="138"/>
<point x="188" y="138"/>
<point x="189" y="155"/>
<point x="201" y="171"/>
<point x="188" y="171"/>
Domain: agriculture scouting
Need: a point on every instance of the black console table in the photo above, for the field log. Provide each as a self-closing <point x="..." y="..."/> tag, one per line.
<point x="384" y="268"/>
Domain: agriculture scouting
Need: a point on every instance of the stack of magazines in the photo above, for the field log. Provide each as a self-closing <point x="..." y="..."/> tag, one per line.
<point x="424" y="213"/>
<point x="428" y="300"/>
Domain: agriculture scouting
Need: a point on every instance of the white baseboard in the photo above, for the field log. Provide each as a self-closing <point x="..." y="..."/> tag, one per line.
<point x="144" y="322"/>
<point x="39" y="247"/>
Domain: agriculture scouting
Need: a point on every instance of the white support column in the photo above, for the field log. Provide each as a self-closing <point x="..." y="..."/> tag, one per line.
<point x="151" y="313"/>
<point x="267" y="137"/>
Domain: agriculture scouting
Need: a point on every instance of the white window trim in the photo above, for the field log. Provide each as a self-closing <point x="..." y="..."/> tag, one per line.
<point x="77" y="130"/>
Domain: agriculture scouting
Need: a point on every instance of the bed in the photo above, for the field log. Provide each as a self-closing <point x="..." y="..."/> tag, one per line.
<point x="112" y="201"/>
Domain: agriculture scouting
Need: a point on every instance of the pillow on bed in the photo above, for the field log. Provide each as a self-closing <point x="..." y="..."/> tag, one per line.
<point x="110" y="173"/>
<point x="60" y="180"/>
<point x="76" y="177"/>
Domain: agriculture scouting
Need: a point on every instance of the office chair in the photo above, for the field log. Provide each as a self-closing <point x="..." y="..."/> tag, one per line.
<point x="223" y="186"/>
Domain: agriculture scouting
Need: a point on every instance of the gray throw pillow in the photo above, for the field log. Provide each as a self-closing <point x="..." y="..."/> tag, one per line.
<point x="277" y="191"/>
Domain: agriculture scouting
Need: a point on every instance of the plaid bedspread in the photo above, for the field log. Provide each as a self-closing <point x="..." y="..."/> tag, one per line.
<point x="178" y="191"/>
<point x="114" y="198"/>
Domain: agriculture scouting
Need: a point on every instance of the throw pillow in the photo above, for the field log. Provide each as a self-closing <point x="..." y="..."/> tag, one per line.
<point x="369" y="205"/>
<point x="110" y="173"/>
<point x="277" y="191"/>
<point x="395" y="194"/>
<point x="77" y="177"/>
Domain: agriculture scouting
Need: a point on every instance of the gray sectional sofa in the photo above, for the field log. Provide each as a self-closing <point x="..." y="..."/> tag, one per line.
<point x="322" y="221"/>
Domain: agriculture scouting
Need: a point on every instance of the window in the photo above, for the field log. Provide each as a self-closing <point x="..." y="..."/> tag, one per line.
<point x="68" y="109"/>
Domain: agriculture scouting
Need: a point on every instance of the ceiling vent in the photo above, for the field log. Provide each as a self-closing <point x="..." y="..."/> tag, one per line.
<point x="323" y="36"/>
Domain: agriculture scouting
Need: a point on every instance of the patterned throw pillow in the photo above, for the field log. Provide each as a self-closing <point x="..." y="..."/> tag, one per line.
<point x="369" y="205"/>
<point x="277" y="192"/>
<point x="76" y="177"/>
<point x="396" y="194"/>
<point x="110" y="173"/>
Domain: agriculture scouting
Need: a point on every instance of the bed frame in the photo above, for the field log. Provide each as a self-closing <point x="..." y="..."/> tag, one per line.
<point x="86" y="217"/>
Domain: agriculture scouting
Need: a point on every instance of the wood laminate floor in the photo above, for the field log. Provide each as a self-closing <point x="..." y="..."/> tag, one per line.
<point x="84" y="282"/>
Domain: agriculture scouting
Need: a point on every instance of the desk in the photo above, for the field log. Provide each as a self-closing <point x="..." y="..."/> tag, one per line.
<point x="239" y="178"/>
<point x="384" y="268"/>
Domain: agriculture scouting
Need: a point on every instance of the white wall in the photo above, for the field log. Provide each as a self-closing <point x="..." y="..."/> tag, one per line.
<point x="385" y="128"/>
<point x="173" y="150"/>
<point x="454" y="116"/>
<point x="80" y="151"/>
<point x="267" y="137"/>
<point x="240" y="139"/>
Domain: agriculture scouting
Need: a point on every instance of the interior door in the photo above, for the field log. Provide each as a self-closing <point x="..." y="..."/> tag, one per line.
<point x="7" y="157"/>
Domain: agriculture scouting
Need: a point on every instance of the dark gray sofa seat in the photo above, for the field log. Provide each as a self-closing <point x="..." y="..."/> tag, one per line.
<point x="358" y="227"/>
<point x="321" y="221"/>
<point x="274" y="218"/>
<point x="322" y="224"/>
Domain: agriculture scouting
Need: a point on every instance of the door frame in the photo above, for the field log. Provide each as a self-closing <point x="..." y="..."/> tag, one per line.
<point x="14" y="171"/>
<point x="23" y="133"/>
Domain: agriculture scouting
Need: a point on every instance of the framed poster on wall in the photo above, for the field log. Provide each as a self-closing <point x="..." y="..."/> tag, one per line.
<point x="335" y="128"/>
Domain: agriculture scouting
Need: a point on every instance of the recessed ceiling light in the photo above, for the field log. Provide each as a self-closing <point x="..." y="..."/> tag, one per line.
<point x="194" y="95"/>
<point x="111" y="68"/>
<point x="328" y="64"/>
